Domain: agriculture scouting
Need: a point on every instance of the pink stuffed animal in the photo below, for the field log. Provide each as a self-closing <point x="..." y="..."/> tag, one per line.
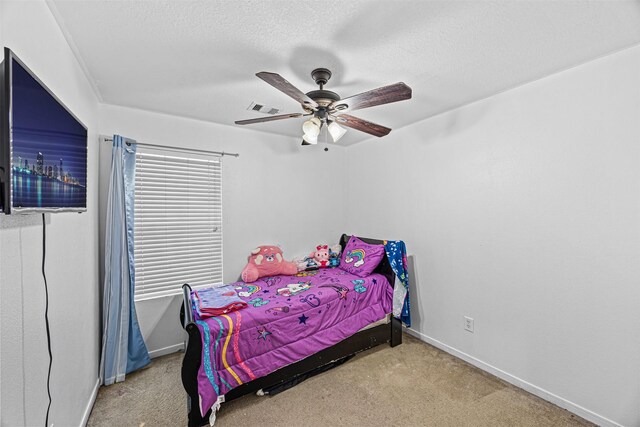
<point x="267" y="261"/>
<point x="321" y="255"/>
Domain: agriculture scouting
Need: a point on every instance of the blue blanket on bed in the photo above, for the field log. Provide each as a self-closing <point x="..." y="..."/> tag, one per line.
<point x="397" y="256"/>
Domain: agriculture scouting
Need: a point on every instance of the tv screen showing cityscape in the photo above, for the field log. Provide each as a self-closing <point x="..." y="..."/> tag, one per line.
<point x="48" y="148"/>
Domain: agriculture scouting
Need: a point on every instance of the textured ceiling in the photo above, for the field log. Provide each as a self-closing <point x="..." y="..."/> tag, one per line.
<point x="198" y="59"/>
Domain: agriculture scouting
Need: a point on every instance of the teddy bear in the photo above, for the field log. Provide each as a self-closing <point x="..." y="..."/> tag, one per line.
<point x="266" y="261"/>
<point x="334" y="255"/>
<point x="321" y="255"/>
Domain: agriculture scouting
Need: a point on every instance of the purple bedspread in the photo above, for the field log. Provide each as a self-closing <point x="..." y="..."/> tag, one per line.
<point x="288" y="319"/>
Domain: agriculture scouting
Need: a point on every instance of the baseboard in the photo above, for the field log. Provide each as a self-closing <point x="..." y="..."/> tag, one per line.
<point x="166" y="350"/>
<point x="518" y="382"/>
<point x="94" y="393"/>
<point x="92" y="400"/>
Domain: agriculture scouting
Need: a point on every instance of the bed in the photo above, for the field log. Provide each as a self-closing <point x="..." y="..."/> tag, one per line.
<point x="293" y="326"/>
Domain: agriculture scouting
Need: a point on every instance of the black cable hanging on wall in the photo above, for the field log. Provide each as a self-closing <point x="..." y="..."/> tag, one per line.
<point x="46" y="314"/>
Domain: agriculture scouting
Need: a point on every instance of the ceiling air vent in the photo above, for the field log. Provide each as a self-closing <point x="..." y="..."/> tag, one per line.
<point x="262" y="108"/>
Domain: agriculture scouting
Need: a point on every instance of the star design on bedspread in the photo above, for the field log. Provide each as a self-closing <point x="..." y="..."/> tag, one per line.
<point x="374" y="281"/>
<point x="303" y="319"/>
<point x="341" y="290"/>
<point x="263" y="334"/>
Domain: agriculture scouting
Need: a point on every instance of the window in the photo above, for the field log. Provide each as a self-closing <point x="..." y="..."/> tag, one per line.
<point x="178" y="223"/>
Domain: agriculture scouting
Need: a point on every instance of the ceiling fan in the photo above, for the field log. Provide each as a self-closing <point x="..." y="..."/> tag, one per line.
<point x="326" y="108"/>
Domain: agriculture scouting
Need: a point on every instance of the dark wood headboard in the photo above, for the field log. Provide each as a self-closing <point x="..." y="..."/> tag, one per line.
<point x="384" y="267"/>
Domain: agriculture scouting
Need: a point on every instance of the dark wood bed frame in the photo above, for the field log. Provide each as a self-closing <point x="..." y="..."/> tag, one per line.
<point x="363" y="340"/>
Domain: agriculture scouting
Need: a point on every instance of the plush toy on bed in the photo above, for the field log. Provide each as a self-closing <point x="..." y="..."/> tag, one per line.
<point x="321" y="255"/>
<point x="334" y="255"/>
<point x="324" y="256"/>
<point x="267" y="261"/>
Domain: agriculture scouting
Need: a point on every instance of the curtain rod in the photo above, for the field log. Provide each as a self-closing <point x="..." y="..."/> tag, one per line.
<point x="190" y="150"/>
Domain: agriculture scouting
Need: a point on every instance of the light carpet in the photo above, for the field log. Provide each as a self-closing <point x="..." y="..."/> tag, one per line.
<point x="413" y="384"/>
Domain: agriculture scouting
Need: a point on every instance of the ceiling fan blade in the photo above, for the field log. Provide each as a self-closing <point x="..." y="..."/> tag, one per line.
<point x="362" y="125"/>
<point x="382" y="95"/>
<point x="268" y="119"/>
<point x="280" y="83"/>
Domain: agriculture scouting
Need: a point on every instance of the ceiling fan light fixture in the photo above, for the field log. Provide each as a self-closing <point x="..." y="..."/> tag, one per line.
<point x="313" y="140"/>
<point x="336" y="131"/>
<point x="322" y="107"/>
<point x="311" y="127"/>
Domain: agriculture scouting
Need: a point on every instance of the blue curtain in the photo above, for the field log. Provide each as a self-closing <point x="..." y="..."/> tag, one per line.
<point x="123" y="349"/>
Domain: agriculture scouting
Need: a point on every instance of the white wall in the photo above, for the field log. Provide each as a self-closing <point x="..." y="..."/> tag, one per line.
<point x="275" y="192"/>
<point x="522" y="211"/>
<point x="72" y="254"/>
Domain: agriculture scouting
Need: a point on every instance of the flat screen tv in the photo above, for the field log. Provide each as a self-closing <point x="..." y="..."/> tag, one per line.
<point x="43" y="146"/>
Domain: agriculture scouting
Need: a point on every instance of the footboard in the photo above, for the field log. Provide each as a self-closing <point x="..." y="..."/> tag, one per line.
<point x="192" y="360"/>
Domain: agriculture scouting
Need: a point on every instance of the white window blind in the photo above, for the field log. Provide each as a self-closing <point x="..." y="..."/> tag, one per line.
<point x="178" y="223"/>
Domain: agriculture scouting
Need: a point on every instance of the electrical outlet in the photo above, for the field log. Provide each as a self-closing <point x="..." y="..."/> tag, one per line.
<point x="468" y="324"/>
